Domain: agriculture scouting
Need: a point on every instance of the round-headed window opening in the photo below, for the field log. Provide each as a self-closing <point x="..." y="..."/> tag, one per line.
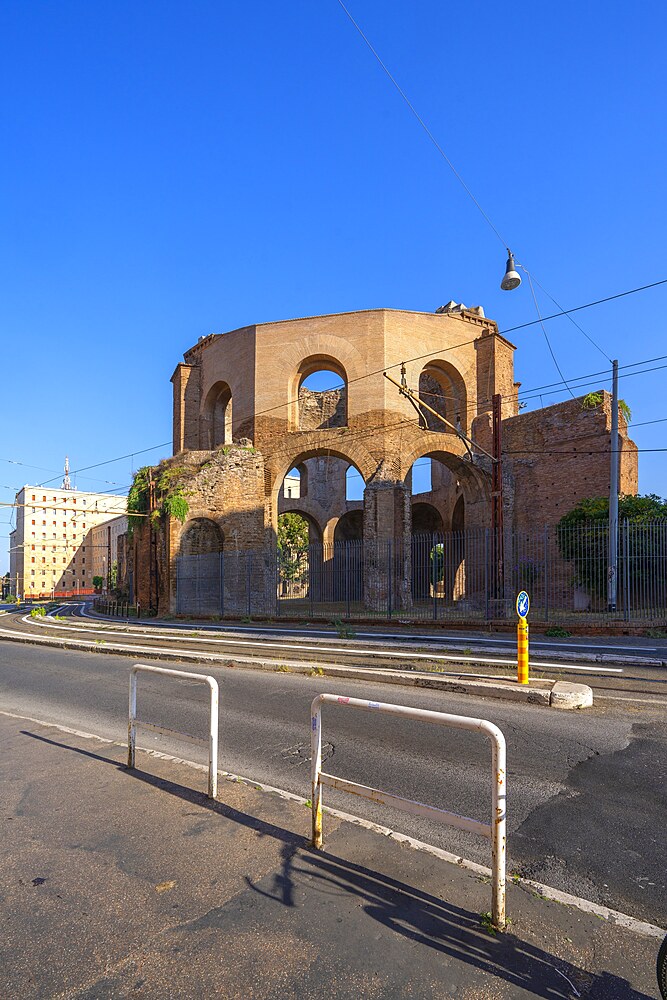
<point x="321" y="389"/>
<point x="443" y="389"/>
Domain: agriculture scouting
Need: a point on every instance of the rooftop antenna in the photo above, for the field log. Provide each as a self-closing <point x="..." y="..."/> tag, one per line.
<point x="67" y="482"/>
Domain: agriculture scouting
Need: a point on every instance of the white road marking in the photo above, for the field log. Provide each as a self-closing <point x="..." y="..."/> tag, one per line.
<point x="630" y="923"/>
<point x="411" y="637"/>
<point x="396" y="654"/>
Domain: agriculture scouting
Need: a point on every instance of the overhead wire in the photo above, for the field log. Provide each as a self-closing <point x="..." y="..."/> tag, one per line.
<point x="524" y="393"/>
<point x="423" y="124"/>
<point x="461" y="180"/>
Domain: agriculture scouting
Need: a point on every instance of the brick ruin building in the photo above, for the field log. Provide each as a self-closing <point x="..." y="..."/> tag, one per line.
<point x="243" y="421"/>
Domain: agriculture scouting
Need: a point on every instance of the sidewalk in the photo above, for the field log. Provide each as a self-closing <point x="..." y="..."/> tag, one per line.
<point x="132" y="884"/>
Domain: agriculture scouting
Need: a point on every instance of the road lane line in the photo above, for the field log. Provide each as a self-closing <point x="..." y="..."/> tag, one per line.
<point x="641" y="927"/>
<point x="394" y="654"/>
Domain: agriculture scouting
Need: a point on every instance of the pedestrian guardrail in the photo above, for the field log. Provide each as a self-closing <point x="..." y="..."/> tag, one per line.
<point x="494" y="831"/>
<point x="213" y="729"/>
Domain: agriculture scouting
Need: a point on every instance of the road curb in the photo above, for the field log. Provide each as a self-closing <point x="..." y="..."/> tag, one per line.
<point x="568" y="696"/>
<point x="408" y="643"/>
<point x="630" y="923"/>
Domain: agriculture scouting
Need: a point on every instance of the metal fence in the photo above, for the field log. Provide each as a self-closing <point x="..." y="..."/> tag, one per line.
<point x="466" y="575"/>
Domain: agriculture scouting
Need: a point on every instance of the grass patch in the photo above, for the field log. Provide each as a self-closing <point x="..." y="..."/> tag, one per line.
<point x="556" y="632"/>
<point x="343" y="630"/>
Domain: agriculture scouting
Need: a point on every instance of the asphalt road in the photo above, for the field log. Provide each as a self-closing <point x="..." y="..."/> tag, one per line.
<point x="630" y="680"/>
<point x="587" y="791"/>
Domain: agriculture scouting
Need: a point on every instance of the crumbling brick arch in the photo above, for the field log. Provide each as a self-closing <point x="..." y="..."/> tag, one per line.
<point x="314" y="444"/>
<point x="321" y="409"/>
<point x="443" y="388"/>
<point x="201" y="536"/>
<point x="314" y="352"/>
<point x="215" y="418"/>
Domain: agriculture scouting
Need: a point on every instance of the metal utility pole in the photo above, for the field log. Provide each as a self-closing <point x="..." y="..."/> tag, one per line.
<point x="108" y="579"/>
<point x="612" y="567"/>
<point x="151" y="501"/>
<point x="497" y="532"/>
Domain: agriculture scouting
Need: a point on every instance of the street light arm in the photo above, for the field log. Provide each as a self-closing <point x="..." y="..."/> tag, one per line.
<point x="416" y="401"/>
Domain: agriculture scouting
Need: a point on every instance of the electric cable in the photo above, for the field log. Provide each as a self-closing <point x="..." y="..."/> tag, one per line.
<point x="424" y="126"/>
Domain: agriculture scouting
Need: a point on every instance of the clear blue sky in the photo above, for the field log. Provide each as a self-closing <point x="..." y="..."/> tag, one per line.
<point x="175" y="169"/>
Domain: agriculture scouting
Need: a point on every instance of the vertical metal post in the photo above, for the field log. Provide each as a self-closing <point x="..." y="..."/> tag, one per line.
<point x="626" y="570"/>
<point x="311" y="579"/>
<point x="315" y="768"/>
<point x="432" y="558"/>
<point x="132" y="721"/>
<point x="612" y="567"/>
<point x="390" y="579"/>
<point x="522" y="650"/>
<point x="546" y="573"/>
<point x="497" y="498"/>
<point x="247" y="580"/>
<point x="498" y="828"/>
<point x="213" y="743"/>
<point x="486" y="573"/>
<point x="347" y="577"/>
<point x="222" y="584"/>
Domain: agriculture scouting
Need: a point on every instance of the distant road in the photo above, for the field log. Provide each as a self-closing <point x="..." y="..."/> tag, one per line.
<point x="587" y="791"/>
<point x="622" y="673"/>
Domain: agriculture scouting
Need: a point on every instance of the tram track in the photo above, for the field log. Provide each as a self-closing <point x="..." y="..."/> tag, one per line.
<point x="633" y="681"/>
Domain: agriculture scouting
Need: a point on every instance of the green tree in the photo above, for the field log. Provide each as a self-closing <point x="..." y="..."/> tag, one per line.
<point x="583" y="539"/>
<point x="293" y="538"/>
<point x="98" y="583"/>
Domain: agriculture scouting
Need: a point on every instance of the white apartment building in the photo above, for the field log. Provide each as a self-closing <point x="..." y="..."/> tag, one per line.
<point x="103" y="540"/>
<point x="52" y="548"/>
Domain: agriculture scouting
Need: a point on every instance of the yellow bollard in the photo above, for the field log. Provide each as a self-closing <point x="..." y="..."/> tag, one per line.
<point x="522" y="650"/>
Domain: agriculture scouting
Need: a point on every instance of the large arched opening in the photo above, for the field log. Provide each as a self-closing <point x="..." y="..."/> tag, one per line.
<point x="426" y="550"/>
<point x="199" y="568"/>
<point x="201" y="536"/>
<point x="215" y="420"/>
<point x="447" y="562"/>
<point x="443" y="389"/>
<point x="318" y="394"/>
<point x="299" y="542"/>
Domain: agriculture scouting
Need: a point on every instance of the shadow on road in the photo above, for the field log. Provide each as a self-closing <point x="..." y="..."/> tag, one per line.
<point x="420" y="917"/>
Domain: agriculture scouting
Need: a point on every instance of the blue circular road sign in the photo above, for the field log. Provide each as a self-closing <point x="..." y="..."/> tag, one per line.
<point x="522" y="604"/>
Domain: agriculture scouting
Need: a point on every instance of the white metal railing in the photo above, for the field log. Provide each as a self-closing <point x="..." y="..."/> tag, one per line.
<point x="494" y="831"/>
<point x="213" y="729"/>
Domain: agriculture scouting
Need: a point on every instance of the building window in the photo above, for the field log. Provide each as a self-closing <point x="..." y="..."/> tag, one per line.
<point x="33" y="522"/>
<point x="33" y="497"/>
<point x="43" y="499"/>
<point x="33" y="559"/>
